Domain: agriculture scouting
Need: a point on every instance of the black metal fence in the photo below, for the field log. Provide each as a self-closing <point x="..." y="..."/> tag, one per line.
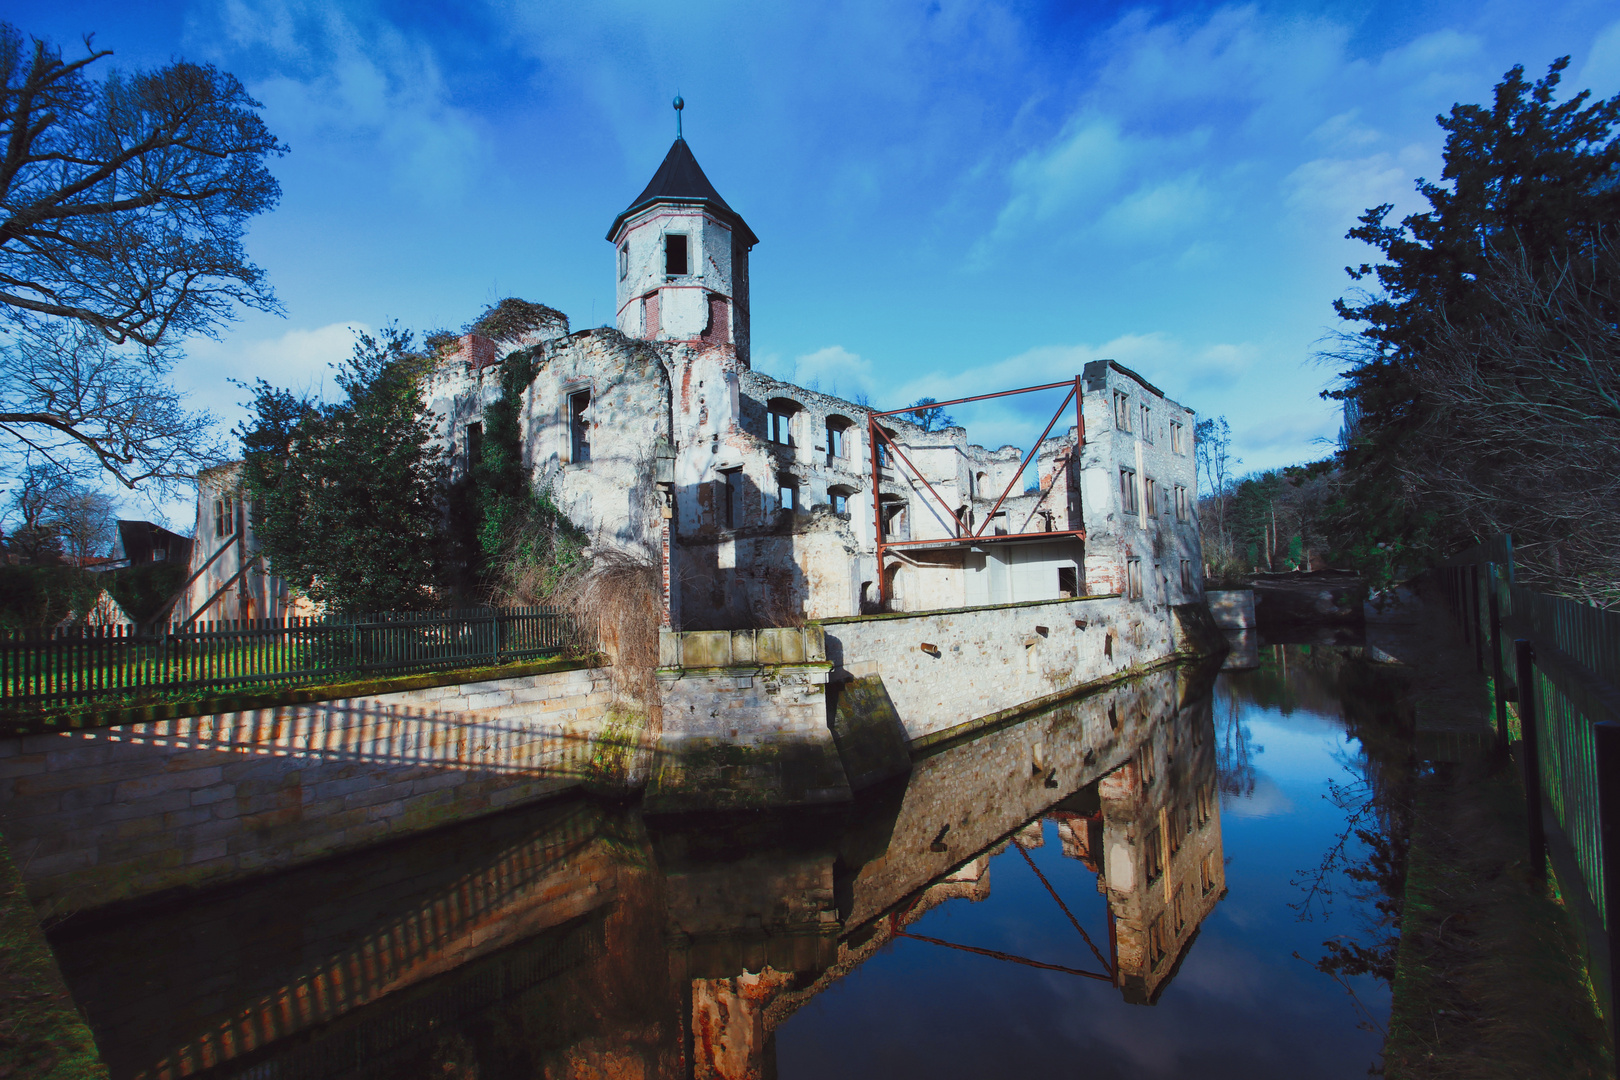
<point x="1559" y="660"/>
<point x="41" y="670"/>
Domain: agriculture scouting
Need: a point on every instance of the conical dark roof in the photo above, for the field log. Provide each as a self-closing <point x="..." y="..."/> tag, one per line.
<point x="680" y="179"/>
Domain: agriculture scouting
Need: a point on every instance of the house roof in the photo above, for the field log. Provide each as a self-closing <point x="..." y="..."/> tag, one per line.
<point x="680" y="179"/>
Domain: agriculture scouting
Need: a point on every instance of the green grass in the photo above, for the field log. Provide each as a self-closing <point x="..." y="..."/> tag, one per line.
<point x="1490" y="980"/>
<point x="41" y="1033"/>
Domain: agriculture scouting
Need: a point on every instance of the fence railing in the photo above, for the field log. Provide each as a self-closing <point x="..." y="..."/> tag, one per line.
<point x="43" y="670"/>
<point x="1565" y="678"/>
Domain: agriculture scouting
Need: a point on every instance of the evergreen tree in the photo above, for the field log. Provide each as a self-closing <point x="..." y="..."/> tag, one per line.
<point x="346" y="494"/>
<point x="1528" y="181"/>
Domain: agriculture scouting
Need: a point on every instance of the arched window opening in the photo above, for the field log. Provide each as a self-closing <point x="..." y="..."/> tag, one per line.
<point x="779" y="416"/>
<point x="838" y="438"/>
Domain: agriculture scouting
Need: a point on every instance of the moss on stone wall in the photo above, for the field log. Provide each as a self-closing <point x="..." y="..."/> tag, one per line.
<point x="41" y="1033"/>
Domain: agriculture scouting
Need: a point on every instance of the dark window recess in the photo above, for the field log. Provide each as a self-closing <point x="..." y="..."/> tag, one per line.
<point x="579" y="427"/>
<point x="475" y="444"/>
<point x="840" y="503"/>
<point x="1068" y="581"/>
<point x="675" y="255"/>
<point x="733" y="495"/>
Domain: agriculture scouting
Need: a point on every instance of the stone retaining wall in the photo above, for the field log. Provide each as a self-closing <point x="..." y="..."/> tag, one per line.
<point x="943" y="669"/>
<point x="97" y="816"/>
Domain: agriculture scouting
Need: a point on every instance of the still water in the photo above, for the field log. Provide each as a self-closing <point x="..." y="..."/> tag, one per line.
<point x="1138" y="884"/>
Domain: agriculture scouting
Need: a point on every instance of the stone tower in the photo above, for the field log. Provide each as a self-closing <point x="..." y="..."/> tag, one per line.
<point x="681" y="260"/>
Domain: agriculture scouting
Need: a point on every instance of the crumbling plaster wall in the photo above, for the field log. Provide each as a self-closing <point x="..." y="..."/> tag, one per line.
<point x="985" y="660"/>
<point x="1154" y="535"/>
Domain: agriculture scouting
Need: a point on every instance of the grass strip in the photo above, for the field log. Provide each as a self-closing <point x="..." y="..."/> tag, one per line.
<point x="1489" y="979"/>
<point x="41" y="1033"/>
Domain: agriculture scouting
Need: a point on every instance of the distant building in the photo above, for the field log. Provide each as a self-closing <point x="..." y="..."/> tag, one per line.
<point x="140" y="543"/>
<point x="230" y="577"/>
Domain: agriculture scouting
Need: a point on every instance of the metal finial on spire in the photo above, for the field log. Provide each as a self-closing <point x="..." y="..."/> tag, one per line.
<point x="679" y="105"/>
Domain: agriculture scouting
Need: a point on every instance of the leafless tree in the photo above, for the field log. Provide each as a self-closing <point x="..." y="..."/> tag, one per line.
<point x="68" y="398"/>
<point x="122" y="205"/>
<point x="1524" y="433"/>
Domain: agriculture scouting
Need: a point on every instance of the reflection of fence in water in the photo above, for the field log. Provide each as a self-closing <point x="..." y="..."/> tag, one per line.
<point x="86" y="664"/>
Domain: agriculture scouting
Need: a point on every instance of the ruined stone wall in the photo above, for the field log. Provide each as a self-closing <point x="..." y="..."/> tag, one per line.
<point x="1153" y="534"/>
<point x="985" y="660"/>
<point x="94" y="816"/>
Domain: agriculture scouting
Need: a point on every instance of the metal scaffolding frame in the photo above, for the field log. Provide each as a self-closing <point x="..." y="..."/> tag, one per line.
<point x="877" y="438"/>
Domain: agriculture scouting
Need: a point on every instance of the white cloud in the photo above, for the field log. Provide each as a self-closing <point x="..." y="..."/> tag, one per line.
<point x="1601" y="72"/>
<point x="330" y="75"/>
<point x="298" y="359"/>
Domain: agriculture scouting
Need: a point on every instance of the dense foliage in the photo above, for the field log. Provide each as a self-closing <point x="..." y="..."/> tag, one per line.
<point x="346" y="494"/>
<point x="1479" y="383"/>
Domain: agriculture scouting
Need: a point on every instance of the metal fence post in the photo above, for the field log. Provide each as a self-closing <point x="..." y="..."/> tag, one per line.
<point x="1606" y="740"/>
<point x="1479" y="637"/>
<point x="1525" y="655"/>
<point x="1496" y="663"/>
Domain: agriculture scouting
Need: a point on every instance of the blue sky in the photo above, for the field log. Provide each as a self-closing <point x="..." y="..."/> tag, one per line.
<point x="951" y="198"/>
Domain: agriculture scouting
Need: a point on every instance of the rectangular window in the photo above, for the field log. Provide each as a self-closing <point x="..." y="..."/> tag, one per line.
<point x="1150" y="495"/>
<point x="224" y="517"/>
<point x="624" y="260"/>
<point x="1133" y="579"/>
<point x="1206" y="804"/>
<point x="1153" y="855"/>
<point x="1206" y="873"/>
<point x="787" y="492"/>
<point x="1181" y="503"/>
<point x="1175" y="438"/>
<point x="1122" y="411"/>
<point x="837" y="442"/>
<point x="1068" y="581"/>
<point x="780" y="427"/>
<point x="1127" y="491"/>
<point x="1156" y="940"/>
<point x="1147" y="424"/>
<point x="840" y="503"/>
<point x="675" y="255"/>
<point x="1179" y="911"/>
<point x="732" y="492"/>
<point x="579" y="426"/>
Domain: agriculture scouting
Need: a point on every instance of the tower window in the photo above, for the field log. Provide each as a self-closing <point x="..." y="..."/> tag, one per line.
<point x="579" y="426"/>
<point x="675" y="255"/>
<point x="624" y="260"/>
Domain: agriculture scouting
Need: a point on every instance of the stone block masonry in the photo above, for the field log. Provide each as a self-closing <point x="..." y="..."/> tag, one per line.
<point x="98" y="816"/>
<point x="945" y="669"/>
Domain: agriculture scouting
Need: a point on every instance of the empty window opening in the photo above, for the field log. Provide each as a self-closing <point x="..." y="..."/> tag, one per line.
<point x="1122" y="411"/>
<point x="779" y="421"/>
<point x="787" y="492"/>
<point x="1127" y="491"/>
<point x="839" y="497"/>
<point x="1186" y="575"/>
<point x="1175" y="438"/>
<point x="1157" y="949"/>
<point x="1147" y="424"/>
<point x="1150" y="496"/>
<point x="579" y="426"/>
<point x="675" y="255"/>
<point x="1068" y="581"/>
<point x="837" y="438"/>
<point x="624" y="260"/>
<point x="1181" y="503"/>
<point x="1153" y="855"/>
<point x="1133" y="579"/>
<point x="224" y="517"/>
<point x="475" y="444"/>
<point x="732" y="511"/>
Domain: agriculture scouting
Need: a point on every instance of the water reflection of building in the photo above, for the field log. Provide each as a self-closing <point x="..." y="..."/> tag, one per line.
<point x="572" y="942"/>
<point x="1165" y="871"/>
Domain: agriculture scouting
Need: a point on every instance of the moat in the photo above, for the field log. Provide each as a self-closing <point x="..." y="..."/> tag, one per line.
<point x="982" y="917"/>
